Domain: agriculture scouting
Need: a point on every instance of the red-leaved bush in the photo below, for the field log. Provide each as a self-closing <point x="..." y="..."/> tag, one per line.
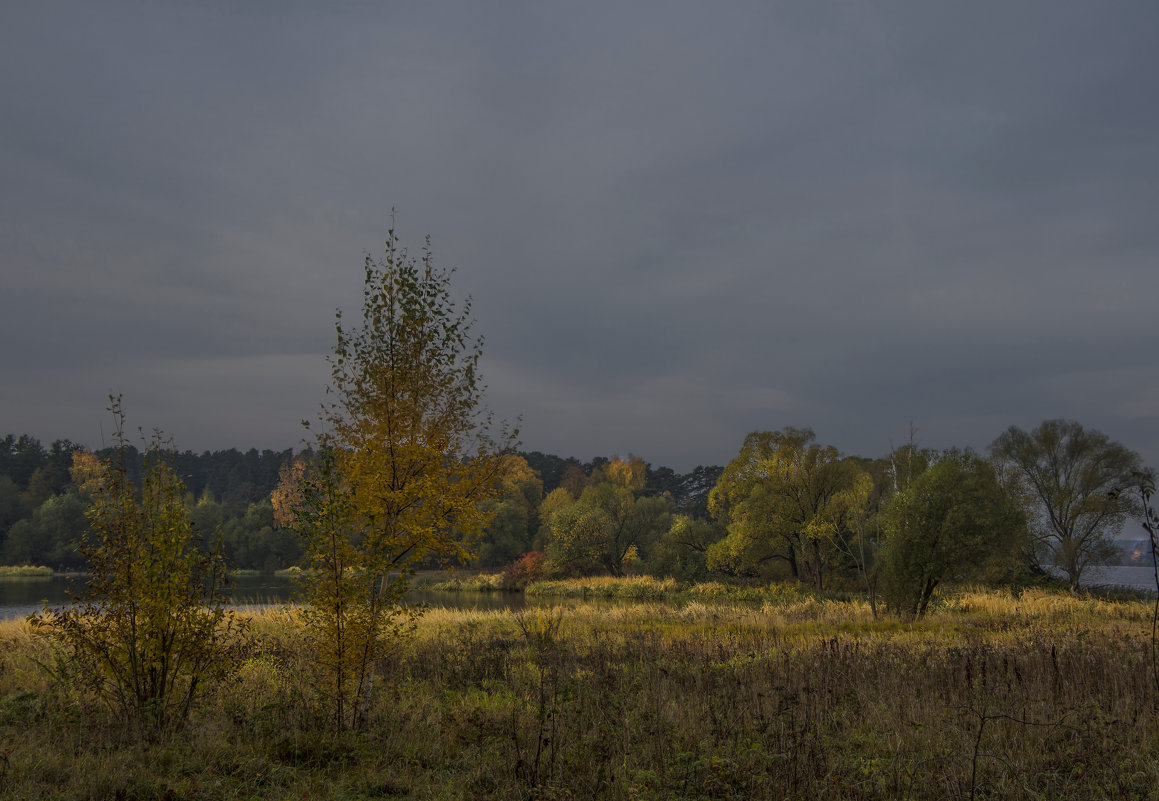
<point x="532" y="566"/>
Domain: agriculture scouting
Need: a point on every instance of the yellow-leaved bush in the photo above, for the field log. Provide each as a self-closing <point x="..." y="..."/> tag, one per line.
<point x="149" y="631"/>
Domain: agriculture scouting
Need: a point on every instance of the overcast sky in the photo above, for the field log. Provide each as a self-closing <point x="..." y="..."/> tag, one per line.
<point x="679" y="222"/>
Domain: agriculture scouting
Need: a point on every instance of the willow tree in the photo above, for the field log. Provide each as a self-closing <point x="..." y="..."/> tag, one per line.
<point x="1074" y="477"/>
<point x="784" y="497"/>
<point x="954" y="521"/>
<point x="406" y="469"/>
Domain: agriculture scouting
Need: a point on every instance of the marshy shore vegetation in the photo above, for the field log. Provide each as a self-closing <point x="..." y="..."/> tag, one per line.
<point x="25" y="571"/>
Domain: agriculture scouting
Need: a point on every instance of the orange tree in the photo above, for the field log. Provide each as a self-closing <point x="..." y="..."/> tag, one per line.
<point x="405" y="470"/>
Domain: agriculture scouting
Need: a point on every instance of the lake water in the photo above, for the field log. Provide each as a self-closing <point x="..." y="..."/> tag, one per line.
<point x="23" y="596"/>
<point x="1137" y="578"/>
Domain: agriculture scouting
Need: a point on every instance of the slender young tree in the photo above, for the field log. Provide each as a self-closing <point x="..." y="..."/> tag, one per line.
<point x="406" y="469"/>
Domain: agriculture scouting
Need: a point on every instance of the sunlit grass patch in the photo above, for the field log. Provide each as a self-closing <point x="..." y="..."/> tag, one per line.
<point x="606" y="587"/>
<point x="268" y="620"/>
<point x="996" y="606"/>
<point x="25" y="571"/>
<point x="483" y="582"/>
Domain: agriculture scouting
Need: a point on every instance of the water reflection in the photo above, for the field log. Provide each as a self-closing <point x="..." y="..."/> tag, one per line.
<point x="21" y="596"/>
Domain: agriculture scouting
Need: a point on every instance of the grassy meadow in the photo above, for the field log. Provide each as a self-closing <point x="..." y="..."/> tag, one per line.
<point x="994" y="695"/>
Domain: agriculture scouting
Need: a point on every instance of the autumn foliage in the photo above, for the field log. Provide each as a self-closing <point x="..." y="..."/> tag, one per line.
<point x="150" y="629"/>
<point x="532" y="566"/>
<point x="405" y="470"/>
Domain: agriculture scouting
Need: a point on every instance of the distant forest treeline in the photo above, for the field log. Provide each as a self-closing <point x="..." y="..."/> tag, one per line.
<point x="43" y="501"/>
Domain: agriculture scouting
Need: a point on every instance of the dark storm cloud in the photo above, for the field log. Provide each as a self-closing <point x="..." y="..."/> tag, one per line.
<point x="678" y="223"/>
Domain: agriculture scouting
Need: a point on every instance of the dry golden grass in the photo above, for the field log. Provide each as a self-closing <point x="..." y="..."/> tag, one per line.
<point x="994" y="695"/>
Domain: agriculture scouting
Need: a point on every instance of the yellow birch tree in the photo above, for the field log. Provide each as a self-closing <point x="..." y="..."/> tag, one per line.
<point x="406" y="469"/>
